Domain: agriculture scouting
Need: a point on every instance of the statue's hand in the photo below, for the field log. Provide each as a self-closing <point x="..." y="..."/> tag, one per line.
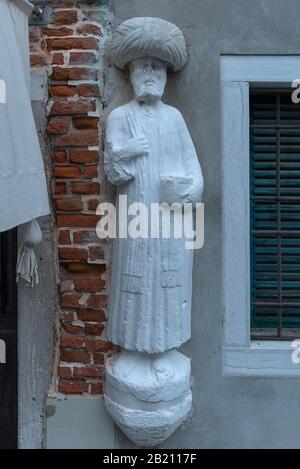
<point x="137" y="146"/>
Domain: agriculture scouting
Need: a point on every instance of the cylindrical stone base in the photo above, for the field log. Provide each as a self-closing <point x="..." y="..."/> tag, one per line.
<point x="148" y="395"/>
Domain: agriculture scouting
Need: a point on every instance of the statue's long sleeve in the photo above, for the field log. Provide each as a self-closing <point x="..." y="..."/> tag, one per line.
<point x="118" y="171"/>
<point x="182" y="182"/>
<point x="192" y="165"/>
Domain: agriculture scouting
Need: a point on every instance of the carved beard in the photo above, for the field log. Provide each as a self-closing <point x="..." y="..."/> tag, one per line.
<point x="149" y="92"/>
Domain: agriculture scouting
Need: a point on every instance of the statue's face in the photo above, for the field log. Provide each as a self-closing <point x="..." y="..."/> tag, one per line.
<point x="148" y="77"/>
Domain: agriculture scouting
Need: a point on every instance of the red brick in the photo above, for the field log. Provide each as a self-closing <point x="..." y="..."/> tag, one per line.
<point x="69" y="341"/>
<point x="84" y="138"/>
<point x="60" y="188"/>
<point x="59" y="156"/>
<point x="82" y="221"/>
<point x="96" y="253"/>
<point x="60" y="74"/>
<point x="89" y="285"/>
<point x="86" y="236"/>
<point x="82" y="73"/>
<point x="58" y="59"/>
<point x="67" y="172"/>
<point x="93" y="203"/>
<point x="68" y="204"/>
<point x="93" y="329"/>
<point x="82" y="58"/>
<point x="78" y="269"/>
<point x="98" y="358"/>
<point x="86" y="188"/>
<point x="80" y="236"/>
<point x="72" y="254"/>
<point x="96" y="301"/>
<point x="79" y="356"/>
<point x="84" y="156"/>
<point x="58" y="126"/>
<point x="73" y="43"/>
<point x="90" y="172"/>
<point x="72" y="387"/>
<point x="85" y="122"/>
<point x="74" y="73"/>
<point x="97" y="345"/>
<point x="71" y="329"/>
<point x="38" y="59"/>
<point x="64" y="237"/>
<point x="65" y="17"/>
<point x="64" y="372"/>
<point x="89" y="90"/>
<point x="97" y="388"/>
<point x="70" y="300"/>
<point x="64" y="108"/>
<point x="89" y="29"/>
<point x="91" y="315"/>
<point x="57" y="32"/>
<point x="63" y="90"/>
<point x="88" y="372"/>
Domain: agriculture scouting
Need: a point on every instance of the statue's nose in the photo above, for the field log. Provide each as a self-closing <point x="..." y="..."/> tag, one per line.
<point x="150" y="69"/>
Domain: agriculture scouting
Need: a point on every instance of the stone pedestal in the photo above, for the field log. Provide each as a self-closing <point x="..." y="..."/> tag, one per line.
<point x="148" y="395"/>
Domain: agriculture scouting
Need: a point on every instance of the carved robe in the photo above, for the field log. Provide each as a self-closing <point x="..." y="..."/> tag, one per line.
<point x="151" y="284"/>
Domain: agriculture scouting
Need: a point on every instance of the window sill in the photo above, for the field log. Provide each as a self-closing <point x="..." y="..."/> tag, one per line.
<point x="261" y="358"/>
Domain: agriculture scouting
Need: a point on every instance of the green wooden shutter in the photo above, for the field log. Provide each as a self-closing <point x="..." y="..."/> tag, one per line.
<point x="275" y="211"/>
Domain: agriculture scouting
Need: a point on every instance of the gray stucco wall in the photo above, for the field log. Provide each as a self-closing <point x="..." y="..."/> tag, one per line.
<point x="37" y="308"/>
<point x="79" y="423"/>
<point x="228" y="412"/>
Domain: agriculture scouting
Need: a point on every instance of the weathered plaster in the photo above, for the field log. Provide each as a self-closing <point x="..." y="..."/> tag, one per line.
<point x="37" y="311"/>
<point x="79" y="423"/>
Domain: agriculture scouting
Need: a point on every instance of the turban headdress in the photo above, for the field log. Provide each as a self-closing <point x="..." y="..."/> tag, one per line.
<point x="149" y="37"/>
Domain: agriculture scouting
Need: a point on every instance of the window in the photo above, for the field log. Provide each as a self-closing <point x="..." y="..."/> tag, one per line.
<point x="253" y="228"/>
<point x="274" y="214"/>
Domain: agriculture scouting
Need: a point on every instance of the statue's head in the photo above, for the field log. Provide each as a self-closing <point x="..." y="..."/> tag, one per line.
<point x="148" y="77"/>
<point x="148" y="47"/>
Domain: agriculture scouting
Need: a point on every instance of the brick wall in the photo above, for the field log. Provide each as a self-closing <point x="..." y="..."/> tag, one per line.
<point x="71" y="50"/>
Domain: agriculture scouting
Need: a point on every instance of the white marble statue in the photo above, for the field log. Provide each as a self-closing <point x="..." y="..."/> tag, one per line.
<point x="151" y="158"/>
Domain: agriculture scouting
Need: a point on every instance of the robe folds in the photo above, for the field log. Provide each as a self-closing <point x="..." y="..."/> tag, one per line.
<point x="151" y="283"/>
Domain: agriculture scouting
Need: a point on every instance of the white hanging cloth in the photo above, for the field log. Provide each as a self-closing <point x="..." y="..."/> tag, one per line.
<point x="27" y="263"/>
<point x="23" y="188"/>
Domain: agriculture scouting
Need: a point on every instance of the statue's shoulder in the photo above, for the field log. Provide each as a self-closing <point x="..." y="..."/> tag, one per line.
<point x="118" y="113"/>
<point x="172" y="112"/>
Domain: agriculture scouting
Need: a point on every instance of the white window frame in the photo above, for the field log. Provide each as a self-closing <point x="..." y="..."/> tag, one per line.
<point x="242" y="356"/>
